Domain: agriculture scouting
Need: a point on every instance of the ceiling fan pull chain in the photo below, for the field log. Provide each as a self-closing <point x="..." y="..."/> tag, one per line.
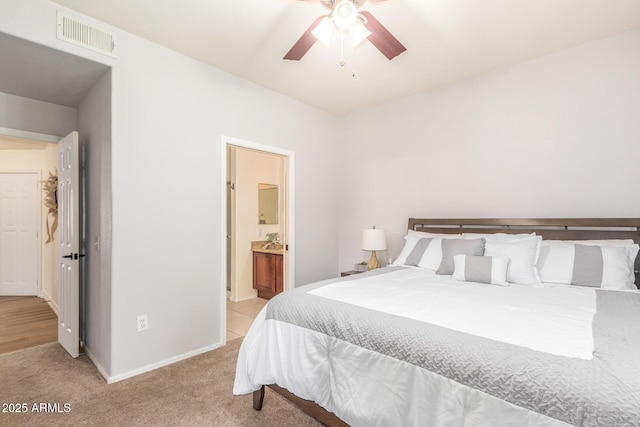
<point x="342" y="49"/>
<point x="353" y="69"/>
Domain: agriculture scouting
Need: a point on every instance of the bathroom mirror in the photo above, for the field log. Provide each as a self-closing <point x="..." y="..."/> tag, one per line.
<point x="267" y="204"/>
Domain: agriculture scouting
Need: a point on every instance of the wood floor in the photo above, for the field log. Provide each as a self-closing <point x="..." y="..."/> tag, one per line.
<point x="26" y="322"/>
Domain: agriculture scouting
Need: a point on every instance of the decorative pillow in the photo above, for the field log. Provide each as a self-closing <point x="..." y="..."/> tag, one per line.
<point x="435" y="254"/>
<point x="452" y="247"/>
<point x="409" y="243"/>
<point x="523" y="256"/>
<point x="607" y="267"/>
<point x="482" y="269"/>
<point x="423" y="252"/>
<point x="418" y="251"/>
<point x="428" y="254"/>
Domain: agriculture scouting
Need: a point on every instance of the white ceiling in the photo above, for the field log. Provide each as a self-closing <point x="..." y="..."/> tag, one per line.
<point x="446" y="40"/>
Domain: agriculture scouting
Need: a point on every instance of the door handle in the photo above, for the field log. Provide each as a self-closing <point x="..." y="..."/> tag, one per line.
<point x="73" y="256"/>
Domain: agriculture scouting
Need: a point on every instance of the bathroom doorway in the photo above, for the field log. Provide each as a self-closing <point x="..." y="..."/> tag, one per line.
<point x="251" y="167"/>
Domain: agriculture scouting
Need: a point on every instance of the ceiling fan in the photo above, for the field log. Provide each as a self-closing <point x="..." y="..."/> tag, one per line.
<point x="344" y="16"/>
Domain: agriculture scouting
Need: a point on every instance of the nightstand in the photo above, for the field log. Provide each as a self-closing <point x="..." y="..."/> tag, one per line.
<point x="350" y="272"/>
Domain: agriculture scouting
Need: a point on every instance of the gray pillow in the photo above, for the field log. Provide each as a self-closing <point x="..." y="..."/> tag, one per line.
<point x="452" y="247"/>
<point x="481" y="269"/>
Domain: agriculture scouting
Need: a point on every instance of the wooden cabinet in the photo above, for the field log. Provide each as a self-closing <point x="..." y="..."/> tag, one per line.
<point x="267" y="274"/>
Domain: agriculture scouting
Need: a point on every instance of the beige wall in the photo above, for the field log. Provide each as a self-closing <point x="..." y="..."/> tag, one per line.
<point x="42" y="161"/>
<point x="252" y="168"/>
<point x="50" y="265"/>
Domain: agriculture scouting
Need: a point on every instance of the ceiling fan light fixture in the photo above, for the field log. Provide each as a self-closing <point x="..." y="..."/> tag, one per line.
<point x="345" y="15"/>
<point x="324" y="31"/>
<point x="358" y="33"/>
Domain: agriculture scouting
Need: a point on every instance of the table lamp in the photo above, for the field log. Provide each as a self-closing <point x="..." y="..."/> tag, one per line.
<point x="373" y="240"/>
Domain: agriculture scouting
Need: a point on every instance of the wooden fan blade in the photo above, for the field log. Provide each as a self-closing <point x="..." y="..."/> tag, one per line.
<point x="382" y="38"/>
<point x="304" y="43"/>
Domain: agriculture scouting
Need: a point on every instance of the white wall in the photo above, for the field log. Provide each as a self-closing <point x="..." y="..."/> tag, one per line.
<point x="553" y="137"/>
<point x="94" y="129"/>
<point x="169" y="113"/>
<point x="252" y="168"/>
<point x="17" y="112"/>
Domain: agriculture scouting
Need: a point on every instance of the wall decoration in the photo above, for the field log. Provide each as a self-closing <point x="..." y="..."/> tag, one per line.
<point x="50" y="188"/>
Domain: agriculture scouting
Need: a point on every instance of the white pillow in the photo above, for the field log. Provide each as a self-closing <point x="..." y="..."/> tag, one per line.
<point x="426" y="251"/>
<point x="481" y="269"/>
<point x="433" y="235"/>
<point x="432" y="257"/>
<point x="606" y="267"/>
<point x="416" y="254"/>
<point x="409" y="243"/>
<point x="606" y="242"/>
<point x="413" y="237"/>
<point x="497" y="237"/>
<point x="523" y="256"/>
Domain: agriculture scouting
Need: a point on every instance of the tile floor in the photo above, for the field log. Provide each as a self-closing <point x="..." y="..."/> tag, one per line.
<point x="240" y="315"/>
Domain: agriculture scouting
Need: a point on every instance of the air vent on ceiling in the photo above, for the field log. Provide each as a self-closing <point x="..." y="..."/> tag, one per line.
<point x="81" y="34"/>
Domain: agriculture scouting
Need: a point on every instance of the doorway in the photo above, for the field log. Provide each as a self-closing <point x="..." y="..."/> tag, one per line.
<point x="241" y="221"/>
<point x="33" y="157"/>
<point x="28" y="270"/>
<point x="80" y="102"/>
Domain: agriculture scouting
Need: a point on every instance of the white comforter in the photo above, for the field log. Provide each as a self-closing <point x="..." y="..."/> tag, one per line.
<point x="555" y="320"/>
<point x="353" y="382"/>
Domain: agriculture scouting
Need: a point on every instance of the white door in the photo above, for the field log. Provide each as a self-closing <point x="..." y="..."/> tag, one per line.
<point x="19" y="222"/>
<point x="69" y="244"/>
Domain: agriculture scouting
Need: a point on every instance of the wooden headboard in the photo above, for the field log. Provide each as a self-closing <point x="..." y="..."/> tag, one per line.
<point x="548" y="228"/>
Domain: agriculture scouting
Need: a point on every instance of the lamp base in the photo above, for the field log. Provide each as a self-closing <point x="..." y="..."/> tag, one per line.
<point x="373" y="262"/>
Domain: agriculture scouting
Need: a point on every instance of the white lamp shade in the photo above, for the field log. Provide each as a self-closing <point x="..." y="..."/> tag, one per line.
<point x="324" y="31"/>
<point x="373" y="240"/>
<point x="359" y="33"/>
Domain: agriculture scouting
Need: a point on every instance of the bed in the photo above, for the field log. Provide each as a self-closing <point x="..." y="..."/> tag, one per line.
<point x="478" y="322"/>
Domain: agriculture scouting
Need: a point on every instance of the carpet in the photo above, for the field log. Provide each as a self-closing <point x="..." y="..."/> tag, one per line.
<point x="55" y="390"/>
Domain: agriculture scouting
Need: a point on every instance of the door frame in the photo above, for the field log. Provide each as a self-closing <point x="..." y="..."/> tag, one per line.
<point x="39" y="211"/>
<point x="289" y="180"/>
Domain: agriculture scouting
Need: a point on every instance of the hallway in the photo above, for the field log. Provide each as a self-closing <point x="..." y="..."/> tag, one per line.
<point x="26" y="322"/>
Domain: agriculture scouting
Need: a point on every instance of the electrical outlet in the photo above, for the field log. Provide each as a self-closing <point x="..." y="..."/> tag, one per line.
<point x="143" y="322"/>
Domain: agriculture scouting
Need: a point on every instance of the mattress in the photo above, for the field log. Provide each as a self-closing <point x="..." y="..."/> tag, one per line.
<point x="402" y="346"/>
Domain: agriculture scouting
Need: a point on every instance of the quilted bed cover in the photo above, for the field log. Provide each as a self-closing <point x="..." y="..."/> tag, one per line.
<point x="402" y="346"/>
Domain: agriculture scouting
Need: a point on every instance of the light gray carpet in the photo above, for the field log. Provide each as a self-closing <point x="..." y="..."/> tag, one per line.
<point x="193" y="392"/>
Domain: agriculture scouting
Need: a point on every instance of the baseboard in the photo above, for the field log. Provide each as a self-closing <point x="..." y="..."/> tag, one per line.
<point x="95" y="362"/>
<point x="49" y="301"/>
<point x="153" y="366"/>
<point x="248" y="297"/>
